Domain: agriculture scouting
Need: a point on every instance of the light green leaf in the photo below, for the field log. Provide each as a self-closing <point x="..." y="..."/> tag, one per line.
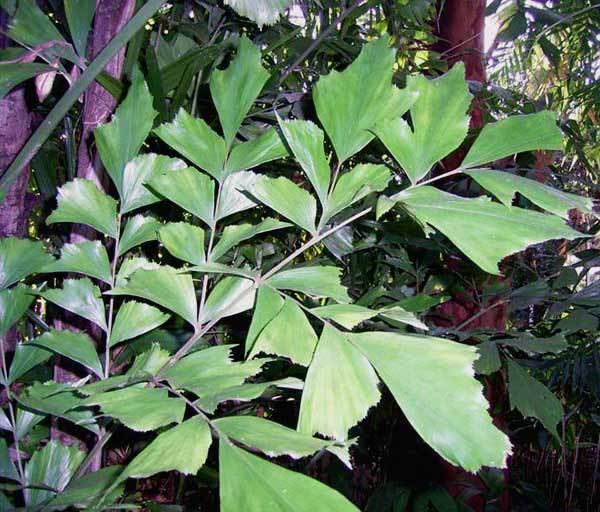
<point x="120" y="140"/>
<point x="398" y="314"/>
<point x="512" y="135"/>
<point x="266" y="147"/>
<point x="219" y="268"/>
<point x="269" y="437"/>
<point x="317" y="280"/>
<point x="432" y="378"/>
<point x="505" y="185"/>
<point x="288" y="199"/>
<point x="194" y="139"/>
<point x="79" y="296"/>
<point x="350" y="103"/>
<point x="230" y="296"/>
<point x="244" y="392"/>
<point x="88" y="491"/>
<point x="233" y="235"/>
<point x="80" y="201"/>
<point x="79" y="15"/>
<point x="26" y="357"/>
<point x="235" y="88"/>
<point x="52" y="466"/>
<point x="347" y="315"/>
<point x="261" y="485"/>
<point x="13" y="304"/>
<point x="484" y="231"/>
<point x="307" y="142"/>
<point x="138" y="230"/>
<point x="88" y="258"/>
<point x="439" y="123"/>
<point x="211" y="370"/>
<point x="289" y="335"/>
<point x="184" y="241"/>
<point x="340" y="388"/>
<point x="268" y="304"/>
<point x="188" y="188"/>
<point x="532" y="399"/>
<point x="77" y="346"/>
<point x="134" y="319"/>
<point x="183" y="448"/>
<point x="133" y="264"/>
<point x="59" y="400"/>
<point x="139" y="408"/>
<point x="20" y="258"/>
<point x="7" y="468"/>
<point x="234" y="199"/>
<point x="138" y="172"/>
<point x="165" y="286"/>
<point x="12" y="74"/>
<point x="354" y="185"/>
<point x="261" y="12"/>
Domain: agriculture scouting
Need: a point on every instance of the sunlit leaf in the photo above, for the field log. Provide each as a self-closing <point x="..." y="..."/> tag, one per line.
<point x="194" y="139"/>
<point x="439" y="123"/>
<point x="512" y="135"/>
<point x="134" y="319"/>
<point x="86" y="257"/>
<point x="138" y="230"/>
<point x="432" y="378"/>
<point x="184" y="241"/>
<point x="268" y="304"/>
<point x="235" y="88"/>
<point x="261" y="12"/>
<point x="80" y="201"/>
<point x="340" y="388"/>
<point x="230" y="296"/>
<point x="79" y="296"/>
<point x="316" y="280"/>
<point x="347" y="315"/>
<point x="234" y="198"/>
<point x="266" y="147"/>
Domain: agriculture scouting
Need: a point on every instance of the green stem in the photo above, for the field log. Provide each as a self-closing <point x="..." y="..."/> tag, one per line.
<point x="68" y="100"/>
<point x="111" y="303"/>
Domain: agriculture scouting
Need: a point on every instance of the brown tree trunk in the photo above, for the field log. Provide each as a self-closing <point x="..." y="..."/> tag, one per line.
<point x="15" y="129"/>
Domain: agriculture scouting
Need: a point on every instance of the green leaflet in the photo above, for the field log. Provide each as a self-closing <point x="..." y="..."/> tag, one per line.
<point x="288" y="199"/>
<point x="7" y="468"/>
<point x="515" y="134"/>
<point x="134" y="191"/>
<point x="260" y="485"/>
<point x="138" y="230"/>
<point x="306" y="140"/>
<point x="20" y="258"/>
<point x="134" y="319"/>
<point x="52" y="466"/>
<point x="13" y="304"/>
<point x="234" y="89"/>
<point x="269" y="437"/>
<point x="165" y="286"/>
<point x="532" y="398"/>
<point x="289" y="334"/>
<point x="87" y="258"/>
<point x="264" y="148"/>
<point x="139" y="408"/>
<point x="261" y="12"/>
<point x="234" y="234"/>
<point x="432" y="378"/>
<point x="79" y="296"/>
<point x="350" y="103"/>
<point x="234" y="198"/>
<point x="31" y="26"/>
<point x="268" y="304"/>
<point x="77" y="346"/>
<point x="230" y="296"/>
<point x="317" y="280"/>
<point x="505" y="185"/>
<point x="195" y="140"/>
<point x="79" y="14"/>
<point x="472" y="224"/>
<point x="354" y="185"/>
<point x="341" y="386"/>
<point x="184" y="241"/>
<point x="183" y="448"/>
<point x="347" y="315"/>
<point x="439" y="123"/>
<point x="121" y="139"/>
<point x="489" y="358"/>
<point x="188" y="188"/>
<point x="80" y="201"/>
<point x="26" y="356"/>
